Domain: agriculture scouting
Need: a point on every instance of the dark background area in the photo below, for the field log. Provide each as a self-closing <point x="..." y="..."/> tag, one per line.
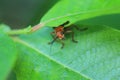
<point x="21" y="13"/>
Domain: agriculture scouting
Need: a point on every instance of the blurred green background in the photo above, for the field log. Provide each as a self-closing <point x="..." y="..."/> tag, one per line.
<point x="21" y="13"/>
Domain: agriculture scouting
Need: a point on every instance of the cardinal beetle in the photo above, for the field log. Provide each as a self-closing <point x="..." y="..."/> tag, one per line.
<point x="60" y="32"/>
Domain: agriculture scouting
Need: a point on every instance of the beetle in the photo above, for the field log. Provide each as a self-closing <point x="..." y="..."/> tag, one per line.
<point x="60" y="32"/>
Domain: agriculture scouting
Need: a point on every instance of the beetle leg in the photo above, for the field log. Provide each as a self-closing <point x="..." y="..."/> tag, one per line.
<point x="65" y="23"/>
<point x="77" y="28"/>
<point x="62" y="44"/>
<point x="52" y="34"/>
<point x="69" y="31"/>
<point x="83" y="29"/>
<point x="73" y="38"/>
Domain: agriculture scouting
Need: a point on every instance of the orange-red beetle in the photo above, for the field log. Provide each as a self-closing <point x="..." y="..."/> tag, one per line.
<point x="60" y="32"/>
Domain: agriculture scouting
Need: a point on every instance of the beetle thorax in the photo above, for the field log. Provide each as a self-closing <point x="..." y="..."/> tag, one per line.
<point x="59" y="31"/>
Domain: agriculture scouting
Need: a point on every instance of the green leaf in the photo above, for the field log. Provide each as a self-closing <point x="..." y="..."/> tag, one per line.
<point x="7" y="54"/>
<point x="4" y="28"/>
<point x="79" y="10"/>
<point x="35" y="65"/>
<point x="95" y="56"/>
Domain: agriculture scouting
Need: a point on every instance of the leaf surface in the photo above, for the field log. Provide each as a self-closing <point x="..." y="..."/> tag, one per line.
<point x="79" y="10"/>
<point x="96" y="56"/>
<point x="8" y="53"/>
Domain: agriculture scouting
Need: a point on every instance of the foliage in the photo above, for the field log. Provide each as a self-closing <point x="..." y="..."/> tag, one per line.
<point x="96" y="56"/>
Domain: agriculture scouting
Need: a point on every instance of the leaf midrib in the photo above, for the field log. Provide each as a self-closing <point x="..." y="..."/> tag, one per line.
<point x="36" y="50"/>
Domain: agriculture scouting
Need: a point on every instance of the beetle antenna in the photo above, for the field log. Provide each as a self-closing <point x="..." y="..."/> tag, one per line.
<point x="53" y="40"/>
<point x="67" y="22"/>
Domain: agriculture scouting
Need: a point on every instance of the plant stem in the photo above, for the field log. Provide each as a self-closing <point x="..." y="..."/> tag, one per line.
<point x="26" y="30"/>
